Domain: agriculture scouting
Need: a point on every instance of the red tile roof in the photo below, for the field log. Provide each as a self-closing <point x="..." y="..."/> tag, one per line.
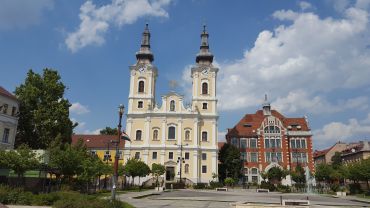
<point x="5" y="93"/>
<point x="319" y="153"/>
<point x="96" y="141"/>
<point x="249" y="124"/>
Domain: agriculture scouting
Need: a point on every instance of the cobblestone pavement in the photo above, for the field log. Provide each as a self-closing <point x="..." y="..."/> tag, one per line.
<point x="210" y="198"/>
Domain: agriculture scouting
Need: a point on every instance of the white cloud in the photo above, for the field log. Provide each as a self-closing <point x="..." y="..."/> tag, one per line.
<point x="78" y="108"/>
<point x="95" y="21"/>
<point x="300" y="101"/>
<point x="300" y="62"/>
<point x="94" y="132"/>
<point x="20" y="14"/>
<point x="305" y="5"/>
<point x="350" y="131"/>
<point x="221" y="136"/>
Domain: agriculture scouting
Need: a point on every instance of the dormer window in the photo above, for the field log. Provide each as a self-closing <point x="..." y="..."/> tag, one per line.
<point x="172" y="105"/>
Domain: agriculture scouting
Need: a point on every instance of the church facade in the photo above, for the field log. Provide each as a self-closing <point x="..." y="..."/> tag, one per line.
<point x="180" y="137"/>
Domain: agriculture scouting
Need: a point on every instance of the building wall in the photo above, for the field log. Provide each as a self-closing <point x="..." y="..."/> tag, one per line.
<point x="9" y="121"/>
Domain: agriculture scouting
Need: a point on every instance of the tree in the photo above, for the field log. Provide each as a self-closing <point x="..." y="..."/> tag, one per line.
<point x="336" y="160"/>
<point x="158" y="170"/>
<point x="20" y="160"/>
<point x="44" y="112"/>
<point x="298" y="175"/>
<point x="230" y="163"/>
<point x="109" y="131"/>
<point x="276" y="174"/>
<point x="136" y="168"/>
<point x="323" y="172"/>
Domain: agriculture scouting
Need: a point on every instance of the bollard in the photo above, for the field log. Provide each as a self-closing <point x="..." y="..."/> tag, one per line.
<point x="171" y="187"/>
<point x="281" y="200"/>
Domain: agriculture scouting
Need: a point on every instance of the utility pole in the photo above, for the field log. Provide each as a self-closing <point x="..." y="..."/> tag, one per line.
<point x="121" y="109"/>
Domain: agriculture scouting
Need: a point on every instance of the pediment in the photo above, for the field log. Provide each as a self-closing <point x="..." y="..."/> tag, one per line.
<point x="170" y="163"/>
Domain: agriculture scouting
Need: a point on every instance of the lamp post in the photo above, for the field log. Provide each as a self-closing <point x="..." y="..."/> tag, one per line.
<point x="121" y="109"/>
<point x="181" y="159"/>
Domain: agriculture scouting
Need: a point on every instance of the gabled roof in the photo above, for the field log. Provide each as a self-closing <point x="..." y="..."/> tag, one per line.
<point x="249" y="124"/>
<point x="5" y="93"/>
<point x="319" y="153"/>
<point x="97" y="141"/>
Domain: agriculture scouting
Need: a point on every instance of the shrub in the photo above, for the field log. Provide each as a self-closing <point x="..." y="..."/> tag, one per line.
<point x="229" y="181"/>
<point x="268" y="185"/>
<point x="200" y="186"/>
<point x="334" y="187"/>
<point x="214" y="184"/>
<point x="283" y="189"/>
<point x="45" y="199"/>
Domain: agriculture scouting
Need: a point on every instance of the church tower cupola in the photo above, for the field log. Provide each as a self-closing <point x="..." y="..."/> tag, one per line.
<point x="266" y="107"/>
<point x="144" y="53"/>
<point x="204" y="55"/>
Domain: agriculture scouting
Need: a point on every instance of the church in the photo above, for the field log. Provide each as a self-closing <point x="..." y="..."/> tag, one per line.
<point x="180" y="137"/>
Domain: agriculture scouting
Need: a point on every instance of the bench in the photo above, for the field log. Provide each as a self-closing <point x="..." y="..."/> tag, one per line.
<point x="298" y="202"/>
<point x="262" y="190"/>
<point x="221" y="189"/>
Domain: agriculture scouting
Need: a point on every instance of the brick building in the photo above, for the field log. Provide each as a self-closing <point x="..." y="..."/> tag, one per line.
<point x="268" y="139"/>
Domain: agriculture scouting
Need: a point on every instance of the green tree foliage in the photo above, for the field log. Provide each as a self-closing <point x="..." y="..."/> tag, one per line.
<point x="136" y="168"/>
<point x="230" y="163"/>
<point x="158" y="170"/>
<point x="109" y="131"/>
<point x="298" y="175"/>
<point x="275" y="175"/>
<point x="20" y="160"/>
<point x="44" y="112"/>
<point x="336" y="160"/>
<point x="323" y="172"/>
<point x="229" y="181"/>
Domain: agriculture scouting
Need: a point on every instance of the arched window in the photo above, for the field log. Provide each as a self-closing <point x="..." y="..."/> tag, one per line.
<point x="141" y="86"/>
<point x="171" y="132"/>
<point x="155" y="134"/>
<point x="172" y="105"/>
<point x="186" y="168"/>
<point x="205" y="88"/>
<point x="204" y="136"/>
<point x="187" y="135"/>
<point x="138" y="135"/>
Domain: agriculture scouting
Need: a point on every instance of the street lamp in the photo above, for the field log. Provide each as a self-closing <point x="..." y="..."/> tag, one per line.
<point x="121" y="109"/>
<point x="180" y="159"/>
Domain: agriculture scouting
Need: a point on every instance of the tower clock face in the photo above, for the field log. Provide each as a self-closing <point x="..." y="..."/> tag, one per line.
<point x="205" y="70"/>
<point x="142" y="68"/>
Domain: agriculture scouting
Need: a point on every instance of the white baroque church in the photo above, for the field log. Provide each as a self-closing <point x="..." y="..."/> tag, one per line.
<point x="182" y="138"/>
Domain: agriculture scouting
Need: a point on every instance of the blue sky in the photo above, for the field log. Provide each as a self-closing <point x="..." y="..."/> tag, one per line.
<point x="311" y="57"/>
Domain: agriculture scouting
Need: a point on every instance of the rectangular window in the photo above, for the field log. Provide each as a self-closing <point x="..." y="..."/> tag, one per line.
<point x="243" y="143"/>
<point x="292" y="143"/>
<point x="278" y="143"/>
<point x="303" y="143"/>
<point x="243" y="156"/>
<point x="272" y="143"/>
<point x="5" y="108"/>
<point x="267" y="157"/>
<point x="154" y="155"/>
<point x="234" y="141"/>
<point x="253" y="143"/>
<point x="170" y="155"/>
<point x="140" y="104"/>
<point x="204" y="169"/>
<point x="278" y="156"/>
<point x="14" y="110"/>
<point x="204" y="156"/>
<point x="255" y="179"/>
<point x="267" y="143"/>
<point x="6" y="135"/>
<point x="204" y="136"/>
<point x="205" y="106"/>
<point x="253" y="156"/>
<point x="187" y="155"/>
<point x="137" y="155"/>
<point x="171" y="132"/>
<point x="298" y="144"/>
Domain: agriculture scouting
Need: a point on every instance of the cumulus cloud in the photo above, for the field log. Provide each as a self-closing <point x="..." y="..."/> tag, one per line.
<point x="350" y="131"/>
<point x="300" y="101"/>
<point x="94" y="132"/>
<point x="95" y="21"/>
<point x="305" y="5"/>
<point x="20" y="14"/>
<point x="300" y="62"/>
<point x="78" y="108"/>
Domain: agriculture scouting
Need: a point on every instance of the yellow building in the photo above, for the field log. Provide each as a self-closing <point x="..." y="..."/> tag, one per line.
<point x="101" y="146"/>
<point x="173" y="132"/>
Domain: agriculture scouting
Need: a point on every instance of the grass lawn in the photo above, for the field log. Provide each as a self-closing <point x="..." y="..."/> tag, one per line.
<point x="363" y="196"/>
